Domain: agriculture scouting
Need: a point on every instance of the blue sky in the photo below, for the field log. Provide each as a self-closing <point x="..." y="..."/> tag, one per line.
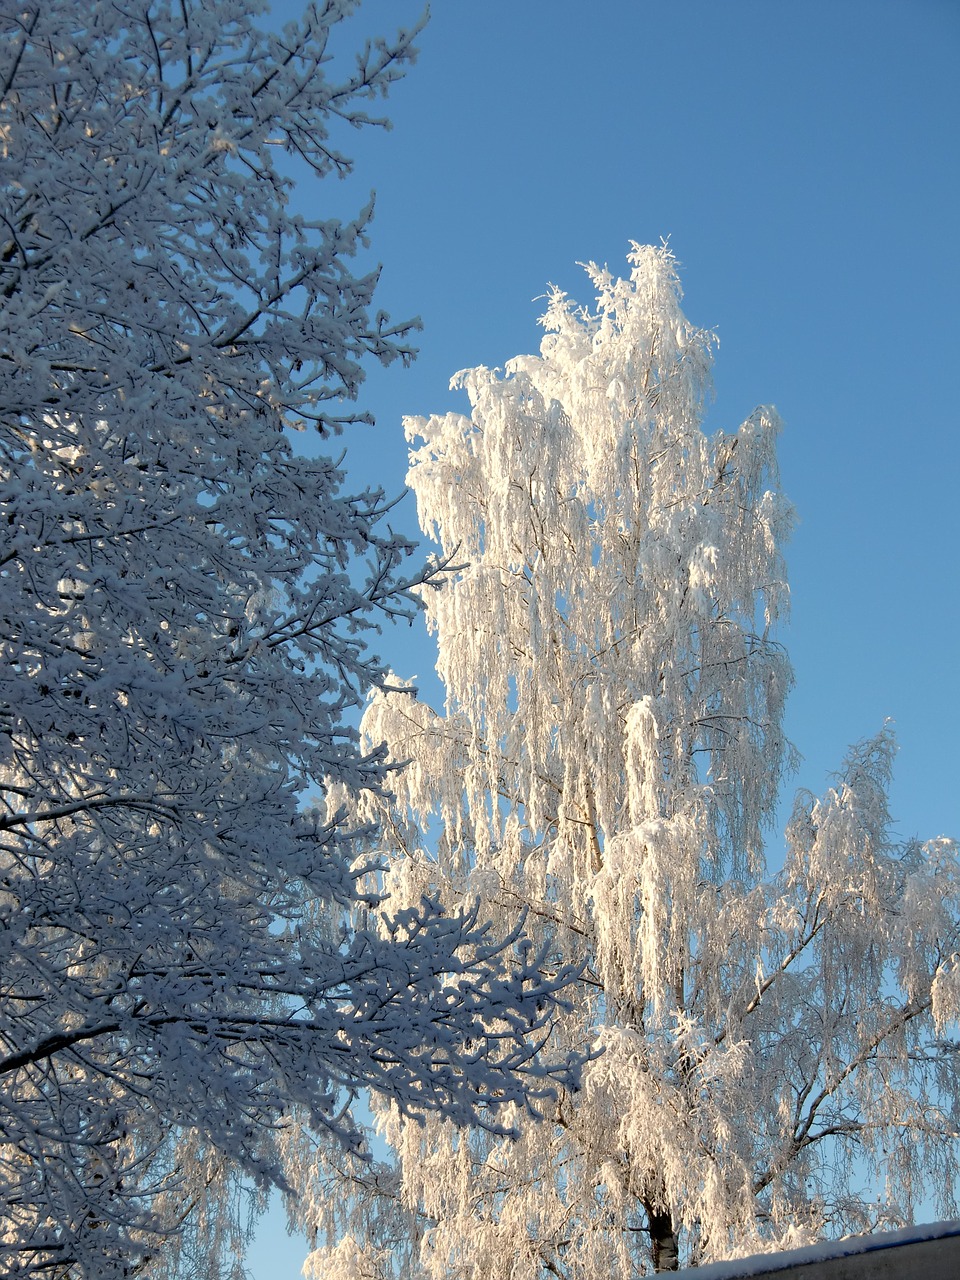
<point x="802" y="160"/>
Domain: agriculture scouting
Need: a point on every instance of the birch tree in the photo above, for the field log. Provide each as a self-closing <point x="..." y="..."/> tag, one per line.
<point x="185" y="601"/>
<point x="774" y="1055"/>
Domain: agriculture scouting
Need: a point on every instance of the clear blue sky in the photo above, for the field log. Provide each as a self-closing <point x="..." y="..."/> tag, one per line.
<point x="802" y="159"/>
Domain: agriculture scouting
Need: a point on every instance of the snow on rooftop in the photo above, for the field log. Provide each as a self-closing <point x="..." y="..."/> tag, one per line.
<point x="825" y="1251"/>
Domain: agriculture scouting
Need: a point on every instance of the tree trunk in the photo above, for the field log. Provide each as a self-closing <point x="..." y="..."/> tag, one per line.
<point x="663" y="1238"/>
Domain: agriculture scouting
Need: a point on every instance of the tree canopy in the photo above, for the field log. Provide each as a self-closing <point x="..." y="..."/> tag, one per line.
<point x="776" y="1058"/>
<point x="185" y="601"/>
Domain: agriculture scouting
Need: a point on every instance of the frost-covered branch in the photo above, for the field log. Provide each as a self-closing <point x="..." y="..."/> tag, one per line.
<point x="195" y="970"/>
<point x="609" y="756"/>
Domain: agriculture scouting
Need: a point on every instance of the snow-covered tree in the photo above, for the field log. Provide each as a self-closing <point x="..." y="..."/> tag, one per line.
<point x="773" y="1061"/>
<point x="184" y="606"/>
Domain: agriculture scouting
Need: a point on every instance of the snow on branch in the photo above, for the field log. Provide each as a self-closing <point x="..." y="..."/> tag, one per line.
<point x="773" y="1061"/>
<point x="185" y="601"/>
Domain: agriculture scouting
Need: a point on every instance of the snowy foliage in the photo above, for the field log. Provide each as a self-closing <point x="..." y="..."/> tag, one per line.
<point x="608" y="758"/>
<point x="183" y="620"/>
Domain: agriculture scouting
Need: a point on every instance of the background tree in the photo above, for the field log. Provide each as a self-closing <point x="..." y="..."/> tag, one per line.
<point x="184" y="607"/>
<point x="775" y="1066"/>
